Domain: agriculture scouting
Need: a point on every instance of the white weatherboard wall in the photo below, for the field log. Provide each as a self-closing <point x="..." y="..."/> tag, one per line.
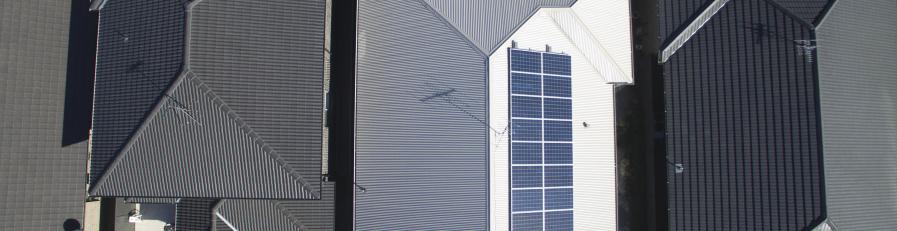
<point x="594" y="170"/>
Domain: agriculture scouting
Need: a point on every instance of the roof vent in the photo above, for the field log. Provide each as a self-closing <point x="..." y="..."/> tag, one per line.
<point x="513" y="44"/>
<point x="547" y="48"/>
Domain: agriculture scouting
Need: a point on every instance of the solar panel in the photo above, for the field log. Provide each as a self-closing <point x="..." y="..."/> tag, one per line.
<point x="541" y="141"/>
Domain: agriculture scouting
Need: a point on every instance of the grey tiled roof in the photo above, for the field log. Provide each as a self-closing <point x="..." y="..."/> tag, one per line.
<point x="741" y="119"/>
<point x="246" y="110"/>
<point x="41" y="178"/>
<point x="140" y="53"/>
<point x="270" y="73"/>
<point x="178" y="152"/>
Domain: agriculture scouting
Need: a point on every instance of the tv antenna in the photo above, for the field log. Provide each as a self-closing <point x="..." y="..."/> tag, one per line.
<point x="806" y="48"/>
<point x="448" y="96"/>
<point x="181" y="110"/>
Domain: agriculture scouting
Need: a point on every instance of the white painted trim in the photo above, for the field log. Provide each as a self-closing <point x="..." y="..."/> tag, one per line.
<point x="231" y="226"/>
<point x="691" y="29"/>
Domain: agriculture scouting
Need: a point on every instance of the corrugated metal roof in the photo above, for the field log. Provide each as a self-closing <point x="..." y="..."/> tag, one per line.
<point x="741" y="119"/>
<point x="140" y="53"/>
<point x="857" y="49"/>
<point x="41" y="177"/>
<point x="172" y="153"/>
<point x="423" y="162"/>
<point x="488" y="23"/>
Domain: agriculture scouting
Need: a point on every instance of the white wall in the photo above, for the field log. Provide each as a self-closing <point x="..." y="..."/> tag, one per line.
<point x="594" y="174"/>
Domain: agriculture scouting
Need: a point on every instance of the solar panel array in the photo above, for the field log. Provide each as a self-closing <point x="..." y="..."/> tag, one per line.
<point x="541" y="141"/>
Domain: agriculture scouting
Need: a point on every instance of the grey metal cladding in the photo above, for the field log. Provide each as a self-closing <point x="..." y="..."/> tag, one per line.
<point x="306" y="214"/>
<point x="194" y="214"/>
<point x="42" y="181"/>
<point x="741" y="118"/>
<point x="264" y="59"/>
<point x="857" y="47"/>
<point x="675" y="15"/>
<point x="423" y="162"/>
<point x="488" y="23"/>
<point x="198" y="147"/>
<point x="808" y="10"/>
<point x="140" y="54"/>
